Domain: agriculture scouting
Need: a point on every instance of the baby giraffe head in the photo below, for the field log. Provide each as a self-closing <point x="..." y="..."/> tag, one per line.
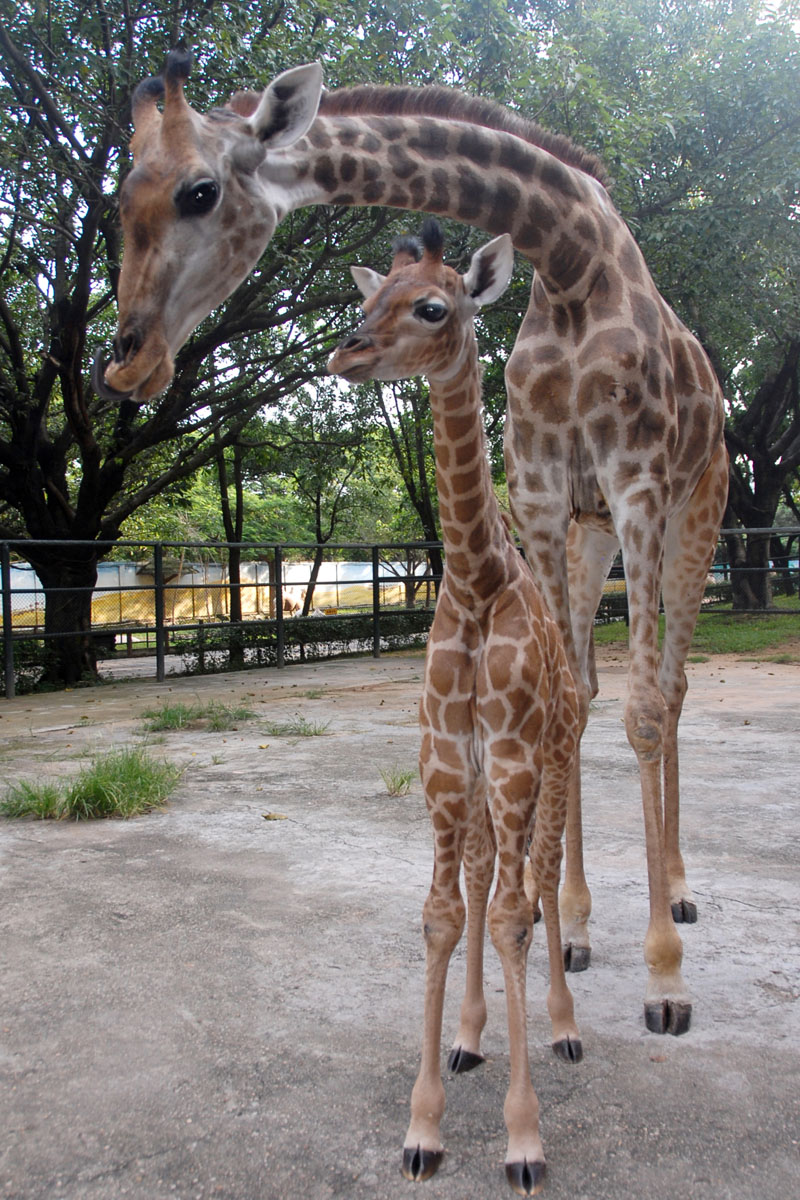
<point x="418" y="319"/>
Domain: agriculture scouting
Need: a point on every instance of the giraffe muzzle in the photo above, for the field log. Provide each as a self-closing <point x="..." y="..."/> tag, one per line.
<point x="348" y="358"/>
<point x="104" y="390"/>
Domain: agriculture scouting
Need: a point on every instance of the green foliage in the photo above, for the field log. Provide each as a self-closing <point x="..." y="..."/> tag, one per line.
<point x="123" y="783"/>
<point x="693" y="107"/>
<point x="306" y="639"/>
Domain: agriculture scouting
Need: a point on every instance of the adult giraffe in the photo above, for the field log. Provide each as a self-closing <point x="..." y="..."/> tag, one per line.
<point x="614" y="415"/>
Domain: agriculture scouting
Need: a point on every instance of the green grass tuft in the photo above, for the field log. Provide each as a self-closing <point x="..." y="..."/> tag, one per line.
<point x="214" y="716"/>
<point x="122" y="783"/>
<point x="398" y="782"/>
<point x="42" y="801"/>
<point x="297" y="727"/>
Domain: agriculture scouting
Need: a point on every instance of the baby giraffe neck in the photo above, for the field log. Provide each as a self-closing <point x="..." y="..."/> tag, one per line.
<point x="473" y="531"/>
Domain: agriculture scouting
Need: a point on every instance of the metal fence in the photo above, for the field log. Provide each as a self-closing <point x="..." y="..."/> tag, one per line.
<point x="160" y="600"/>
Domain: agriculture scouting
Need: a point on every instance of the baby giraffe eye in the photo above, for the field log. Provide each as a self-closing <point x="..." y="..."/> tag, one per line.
<point x="430" y="311"/>
<point x="198" y="198"/>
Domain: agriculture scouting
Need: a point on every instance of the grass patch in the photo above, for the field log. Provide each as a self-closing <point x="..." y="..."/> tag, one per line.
<point x="213" y="716"/>
<point x="297" y="727"/>
<point x="42" y="801"/>
<point x="397" y="781"/>
<point x="123" y="783"/>
<point x="725" y="633"/>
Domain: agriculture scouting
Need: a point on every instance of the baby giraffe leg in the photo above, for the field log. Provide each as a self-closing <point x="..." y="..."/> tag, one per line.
<point x="511" y="928"/>
<point x="479" y="856"/>
<point x="448" y="795"/>
<point x="545" y="861"/>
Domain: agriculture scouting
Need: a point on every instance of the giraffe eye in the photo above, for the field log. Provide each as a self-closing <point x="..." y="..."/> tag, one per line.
<point x="430" y="311"/>
<point x="198" y="198"/>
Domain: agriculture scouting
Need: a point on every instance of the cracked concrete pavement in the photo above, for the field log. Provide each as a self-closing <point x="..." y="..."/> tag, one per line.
<point x="206" y="1003"/>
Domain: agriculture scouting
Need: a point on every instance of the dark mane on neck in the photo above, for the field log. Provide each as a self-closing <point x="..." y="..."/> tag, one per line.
<point x="448" y="104"/>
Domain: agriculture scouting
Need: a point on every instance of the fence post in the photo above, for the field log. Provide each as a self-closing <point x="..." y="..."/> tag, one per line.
<point x="158" y="605"/>
<point x="8" y="624"/>
<point x="376" y="603"/>
<point x="279" y="630"/>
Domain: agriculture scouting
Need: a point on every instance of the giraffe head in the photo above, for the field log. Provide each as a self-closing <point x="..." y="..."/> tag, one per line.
<point x="419" y="317"/>
<point x="195" y="217"/>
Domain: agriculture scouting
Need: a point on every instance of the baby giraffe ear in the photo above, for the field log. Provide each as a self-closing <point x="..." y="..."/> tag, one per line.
<point x="490" y="271"/>
<point x="287" y="108"/>
<point x="368" y="282"/>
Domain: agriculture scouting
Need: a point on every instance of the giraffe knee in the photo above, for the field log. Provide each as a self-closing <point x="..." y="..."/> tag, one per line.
<point x="511" y="929"/>
<point x="443" y="925"/>
<point x="644" y="725"/>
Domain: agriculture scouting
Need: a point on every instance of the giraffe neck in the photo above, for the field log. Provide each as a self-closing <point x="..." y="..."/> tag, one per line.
<point x="559" y="216"/>
<point x="474" y="534"/>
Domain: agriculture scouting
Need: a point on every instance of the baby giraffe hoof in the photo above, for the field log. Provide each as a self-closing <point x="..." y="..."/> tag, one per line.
<point x="419" y="1164"/>
<point x="668" y="1016"/>
<point x="577" y="958"/>
<point x="461" y="1061"/>
<point x="569" y="1049"/>
<point x="684" y="912"/>
<point x="526" y="1178"/>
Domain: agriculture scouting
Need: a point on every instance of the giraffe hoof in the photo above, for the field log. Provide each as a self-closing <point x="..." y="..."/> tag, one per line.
<point x="684" y="912"/>
<point x="668" y="1016"/>
<point x="526" y="1178"/>
<point x="461" y="1061"/>
<point x="577" y="958"/>
<point x="569" y="1049"/>
<point x="419" y="1164"/>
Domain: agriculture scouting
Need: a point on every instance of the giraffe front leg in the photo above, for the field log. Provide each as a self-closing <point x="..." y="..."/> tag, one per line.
<point x="443" y="922"/>
<point x="449" y="784"/>
<point x="514" y="785"/>
<point x="479" y="859"/>
<point x="511" y="928"/>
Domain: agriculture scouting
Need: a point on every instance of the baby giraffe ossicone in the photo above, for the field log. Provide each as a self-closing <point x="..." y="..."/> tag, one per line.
<point x="499" y="710"/>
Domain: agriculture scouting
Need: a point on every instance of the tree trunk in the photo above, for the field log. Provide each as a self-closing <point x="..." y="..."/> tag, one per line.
<point x="68" y="577"/>
<point x="751" y="580"/>
<point x="788" y="584"/>
<point x="319" y="554"/>
<point x="234" y="524"/>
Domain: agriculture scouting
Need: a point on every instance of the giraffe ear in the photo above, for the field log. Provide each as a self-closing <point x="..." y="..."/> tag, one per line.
<point x="368" y="282"/>
<point x="288" y="106"/>
<point x="490" y="271"/>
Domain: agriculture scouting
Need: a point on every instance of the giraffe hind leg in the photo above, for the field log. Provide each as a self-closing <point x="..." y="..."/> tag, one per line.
<point x="689" y="550"/>
<point x="479" y="860"/>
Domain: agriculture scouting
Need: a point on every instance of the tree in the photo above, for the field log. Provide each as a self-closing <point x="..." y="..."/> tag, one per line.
<point x="74" y="466"/>
<point x="691" y="105"/>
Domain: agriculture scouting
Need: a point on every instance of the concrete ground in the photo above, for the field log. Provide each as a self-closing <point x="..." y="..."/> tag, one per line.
<point x="206" y="1003"/>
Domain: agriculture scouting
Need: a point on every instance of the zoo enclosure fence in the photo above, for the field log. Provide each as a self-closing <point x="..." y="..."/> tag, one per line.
<point x="160" y="599"/>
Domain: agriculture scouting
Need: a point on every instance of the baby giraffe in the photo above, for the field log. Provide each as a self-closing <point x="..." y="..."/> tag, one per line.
<point x="499" y="711"/>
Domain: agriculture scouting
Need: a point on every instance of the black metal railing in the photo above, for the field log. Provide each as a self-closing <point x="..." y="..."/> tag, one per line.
<point x="296" y="600"/>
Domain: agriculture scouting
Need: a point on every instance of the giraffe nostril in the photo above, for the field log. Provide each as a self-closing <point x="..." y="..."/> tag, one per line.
<point x="127" y="345"/>
<point x="356" y="342"/>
